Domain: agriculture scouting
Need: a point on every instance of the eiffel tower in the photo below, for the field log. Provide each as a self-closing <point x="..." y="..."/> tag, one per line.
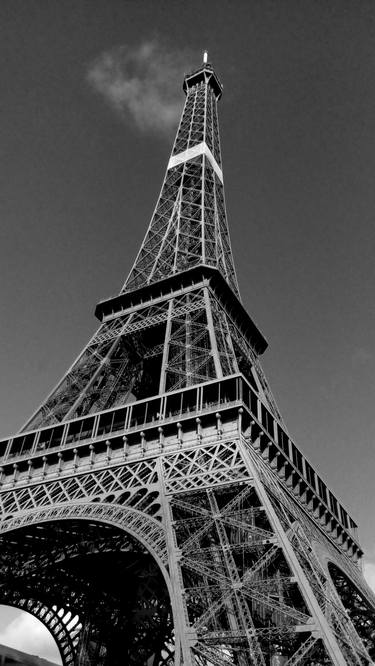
<point x="154" y="509"/>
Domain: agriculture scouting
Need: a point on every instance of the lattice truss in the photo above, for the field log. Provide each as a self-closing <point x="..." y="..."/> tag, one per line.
<point x="197" y="556"/>
<point x="339" y="588"/>
<point x="179" y="342"/>
<point x="97" y="590"/>
<point x="199" y="122"/>
<point x="247" y="583"/>
<point x="247" y="597"/>
<point x="189" y="225"/>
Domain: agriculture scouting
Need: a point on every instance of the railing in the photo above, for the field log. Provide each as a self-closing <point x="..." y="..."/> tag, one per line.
<point x="134" y="416"/>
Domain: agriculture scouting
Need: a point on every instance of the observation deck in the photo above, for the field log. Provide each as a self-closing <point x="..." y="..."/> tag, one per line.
<point x="189" y="417"/>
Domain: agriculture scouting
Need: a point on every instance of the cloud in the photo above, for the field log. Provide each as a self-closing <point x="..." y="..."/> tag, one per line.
<point x="369" y="574"/>
<point x="142" y="84"/>
<point x="27" y="634"/>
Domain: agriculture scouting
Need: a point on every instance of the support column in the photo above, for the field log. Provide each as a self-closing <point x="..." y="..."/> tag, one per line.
<point x="164" y="363"/>
<point x="185" y="637"/>
<point x="211" y="331"/>
<point x="312" y="604"/>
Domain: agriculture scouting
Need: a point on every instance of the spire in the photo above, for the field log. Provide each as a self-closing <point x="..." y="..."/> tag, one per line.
<point x="189" y="225"/>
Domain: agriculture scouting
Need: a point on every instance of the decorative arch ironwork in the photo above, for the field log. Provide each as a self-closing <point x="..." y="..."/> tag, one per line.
<point x="54" y="580"/>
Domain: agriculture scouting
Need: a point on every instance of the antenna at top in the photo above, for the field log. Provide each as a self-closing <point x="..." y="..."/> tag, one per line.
<point x="205" y="57"/>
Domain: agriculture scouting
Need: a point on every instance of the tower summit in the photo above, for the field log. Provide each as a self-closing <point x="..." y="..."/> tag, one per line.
<point x="154" y="510"/>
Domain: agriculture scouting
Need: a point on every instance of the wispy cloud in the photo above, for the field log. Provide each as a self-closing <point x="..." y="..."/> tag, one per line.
<point x="27" y="634"/>
<point x="142" y="84"/>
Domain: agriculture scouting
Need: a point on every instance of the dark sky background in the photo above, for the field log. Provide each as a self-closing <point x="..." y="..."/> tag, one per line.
<point x="79" y="179"/>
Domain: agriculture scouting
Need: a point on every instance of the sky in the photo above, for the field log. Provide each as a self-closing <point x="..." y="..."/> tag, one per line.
<point x="91" y="95"/>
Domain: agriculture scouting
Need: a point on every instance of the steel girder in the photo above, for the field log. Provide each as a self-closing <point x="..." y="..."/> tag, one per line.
<point x="183" y="340"/>
<point x="242" y="572"/>
<point x="194" y="552"/>
<point x="103" y="596"/>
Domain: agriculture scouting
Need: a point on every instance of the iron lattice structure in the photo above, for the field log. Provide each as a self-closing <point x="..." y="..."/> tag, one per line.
<point x="154" y="510"/>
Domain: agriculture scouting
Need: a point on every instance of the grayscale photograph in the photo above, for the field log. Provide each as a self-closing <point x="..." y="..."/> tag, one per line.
<point x="187" y="333"/>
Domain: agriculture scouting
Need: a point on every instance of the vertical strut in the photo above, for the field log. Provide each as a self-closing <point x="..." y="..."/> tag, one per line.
<point x="242" y="607"/>
<point x="212" y="333"/>
<point x="164" y="363"/>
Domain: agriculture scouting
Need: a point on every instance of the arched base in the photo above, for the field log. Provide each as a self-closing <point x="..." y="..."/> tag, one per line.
<point x="101" y="592"/>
